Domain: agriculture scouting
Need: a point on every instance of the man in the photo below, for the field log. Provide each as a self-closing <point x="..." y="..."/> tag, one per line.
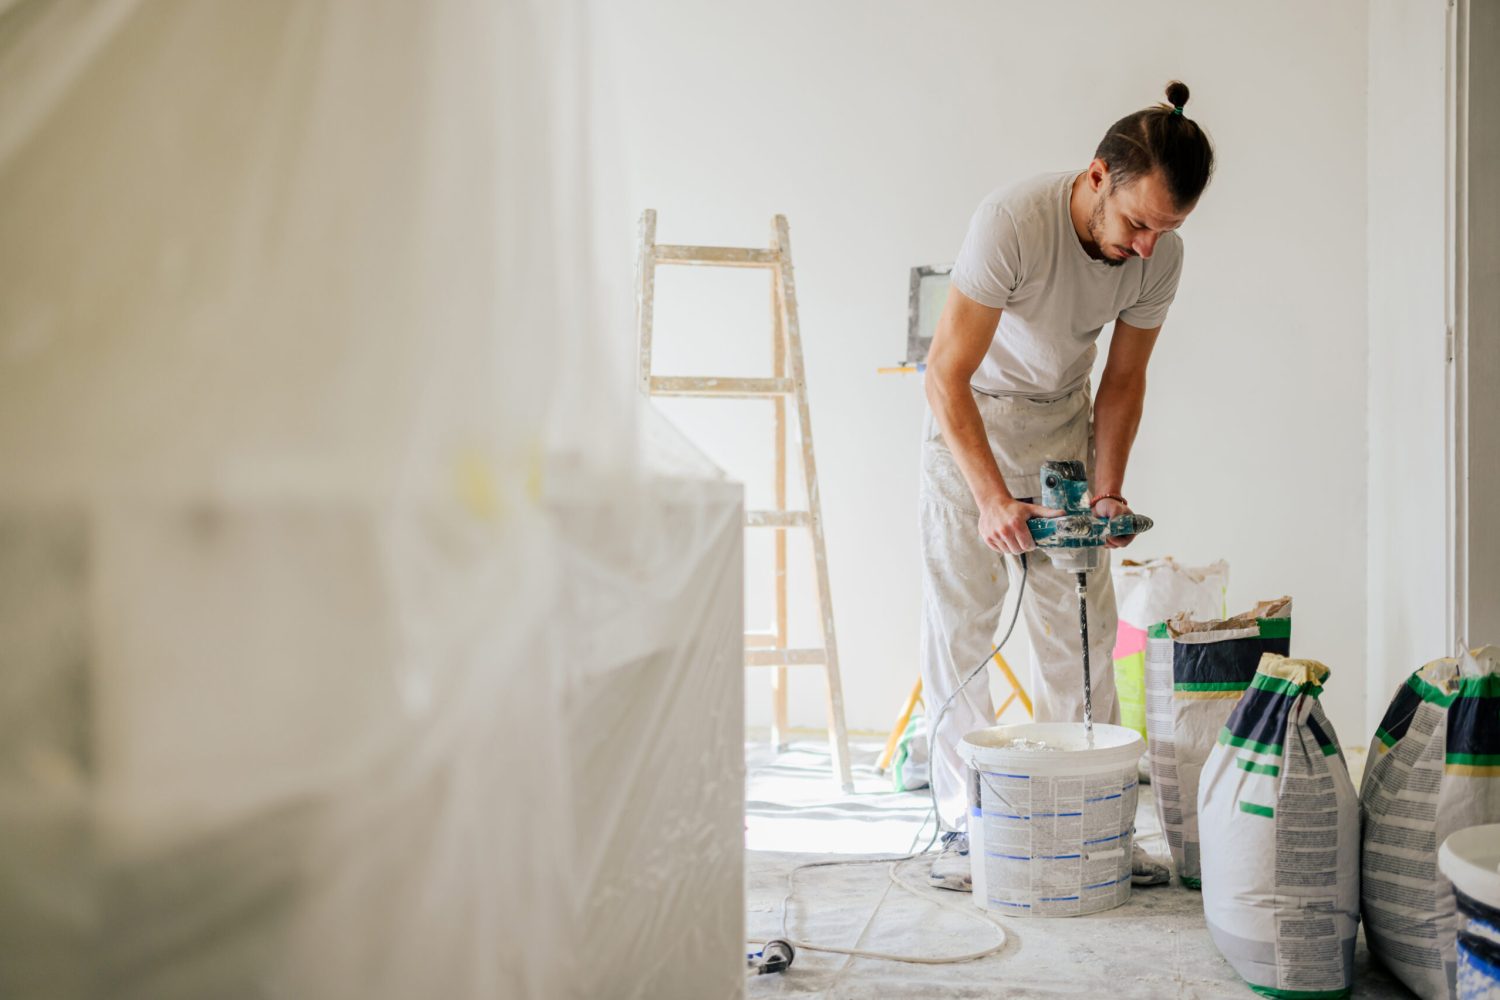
<point x="1045" y="265"/>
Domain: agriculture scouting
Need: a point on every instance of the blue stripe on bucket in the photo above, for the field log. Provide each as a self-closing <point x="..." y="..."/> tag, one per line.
<point x="1101" y="885"/>
<point x="1105" y="840"/>
<point x="1054" y="815"/>
<point x="1001" y="902"/>
<point x="999" y="815"/>
<point x="1105" y="798"/>
<point x="997" y="774"/>
<point x="1473" y="957"/>
<point x="1478" y="964"/>
<point x="1058" y="899"/>
<point x="1007" y="857"/>
<point x="1056" y="857"/>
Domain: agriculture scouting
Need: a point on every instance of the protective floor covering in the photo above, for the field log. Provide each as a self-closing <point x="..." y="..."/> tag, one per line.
<point x="1154" y="946"/>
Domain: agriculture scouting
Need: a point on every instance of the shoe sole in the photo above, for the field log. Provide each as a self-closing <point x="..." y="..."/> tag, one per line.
<point x="952" y="885"/>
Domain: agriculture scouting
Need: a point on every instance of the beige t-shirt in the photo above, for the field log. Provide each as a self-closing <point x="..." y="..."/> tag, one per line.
<point x="1022" y="255"/>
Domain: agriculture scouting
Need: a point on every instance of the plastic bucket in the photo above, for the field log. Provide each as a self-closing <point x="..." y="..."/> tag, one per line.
<point x="1050" y="830"/>
<point x="1471" y="860"/>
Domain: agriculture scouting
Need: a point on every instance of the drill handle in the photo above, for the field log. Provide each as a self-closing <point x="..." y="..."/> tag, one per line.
<point x="1078" y="529"/>
<point x="1127" y="524"/>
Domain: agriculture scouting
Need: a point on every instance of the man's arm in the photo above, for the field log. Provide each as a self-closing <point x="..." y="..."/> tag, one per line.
<point x="1117" y="413"/>
<point x="963" y="335"/>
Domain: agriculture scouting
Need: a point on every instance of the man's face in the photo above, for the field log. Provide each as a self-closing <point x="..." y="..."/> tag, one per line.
<point x="1126" y="221"/>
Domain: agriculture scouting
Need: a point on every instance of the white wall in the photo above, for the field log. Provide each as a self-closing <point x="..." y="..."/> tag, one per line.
<point x="1406" y="242"/>
<point x="1477" y="318"/>
<point x="877" y="127"/>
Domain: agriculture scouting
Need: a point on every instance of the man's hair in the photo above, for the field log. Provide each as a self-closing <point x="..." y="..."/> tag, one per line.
<point x="1160" y="138"/>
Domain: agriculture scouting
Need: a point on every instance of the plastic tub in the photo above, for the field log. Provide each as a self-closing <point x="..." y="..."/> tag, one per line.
<point x="1050" y="829"/>
<point x="1471" y="860"/>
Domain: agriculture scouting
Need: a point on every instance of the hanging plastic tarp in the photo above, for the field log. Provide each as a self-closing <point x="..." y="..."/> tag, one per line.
<point x="353" y="643"/>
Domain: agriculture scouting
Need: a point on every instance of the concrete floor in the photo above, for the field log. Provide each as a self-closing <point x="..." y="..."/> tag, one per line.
<point x="1154" y="946"/>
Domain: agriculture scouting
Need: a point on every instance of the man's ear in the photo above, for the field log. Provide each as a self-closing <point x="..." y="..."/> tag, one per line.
<point x="1098" y="175"/>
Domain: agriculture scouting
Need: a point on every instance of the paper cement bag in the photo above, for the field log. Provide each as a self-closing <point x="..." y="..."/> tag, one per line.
<point x="1435" y="769"/>
<point x="1195" y="672"/>
<point x="1158" y="589"/>
<point x="1280" y="822"/>
<point x="1150" y="592"/>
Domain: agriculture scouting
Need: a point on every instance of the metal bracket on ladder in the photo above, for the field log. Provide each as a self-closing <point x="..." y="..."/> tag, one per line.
<point x="787" y="384"/>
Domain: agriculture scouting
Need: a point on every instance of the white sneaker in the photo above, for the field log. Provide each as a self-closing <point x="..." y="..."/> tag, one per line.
<point x="951" y="869"/>
<point x="1144" y="870"/>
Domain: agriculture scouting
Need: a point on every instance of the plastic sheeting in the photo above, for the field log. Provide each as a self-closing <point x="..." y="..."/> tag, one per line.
<point x="345" y="649"/>
<point x="651" y="638"/>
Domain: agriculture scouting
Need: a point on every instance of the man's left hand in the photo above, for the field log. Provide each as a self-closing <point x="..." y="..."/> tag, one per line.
<point x="1111" y="507"/>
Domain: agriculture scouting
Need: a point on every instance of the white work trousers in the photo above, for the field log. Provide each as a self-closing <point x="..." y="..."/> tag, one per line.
<point x="965" y="583"/>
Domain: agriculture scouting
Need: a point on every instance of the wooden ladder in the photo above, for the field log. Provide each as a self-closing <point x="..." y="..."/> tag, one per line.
<point x="762" y="648"/>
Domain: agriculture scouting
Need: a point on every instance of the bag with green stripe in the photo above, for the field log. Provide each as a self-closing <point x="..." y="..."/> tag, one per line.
<point x="1195" y="672"/>
<point x="1436" y="769"/>
<point x="1280" y="822"/>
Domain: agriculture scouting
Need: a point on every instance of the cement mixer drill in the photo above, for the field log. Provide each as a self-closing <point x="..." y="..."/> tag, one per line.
<point x="1073" y="541"/>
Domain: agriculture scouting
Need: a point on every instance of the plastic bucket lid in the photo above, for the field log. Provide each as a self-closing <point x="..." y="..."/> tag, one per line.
<point x="1471" y="860"/>
<point x="1070" y="750"/>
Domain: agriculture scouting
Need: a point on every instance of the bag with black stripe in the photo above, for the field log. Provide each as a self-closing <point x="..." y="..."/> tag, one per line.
<point x="1280" y="824"/>
<point x="1195" y="672"/>
<point x="1436" y="769"/>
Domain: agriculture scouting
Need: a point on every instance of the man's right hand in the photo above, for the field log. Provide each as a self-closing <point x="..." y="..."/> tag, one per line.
<point x="1002" y="524"/>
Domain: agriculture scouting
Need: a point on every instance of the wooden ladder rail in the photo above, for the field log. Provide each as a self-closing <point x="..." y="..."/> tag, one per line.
<point x="788" y="382"/>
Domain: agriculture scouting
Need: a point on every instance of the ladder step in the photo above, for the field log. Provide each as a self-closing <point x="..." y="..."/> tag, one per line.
<point x="751" y="388"/>
<point x="777" y="519"/>
<point x="762" y="648"/>
<point x="784" y="657"/>
<point x="666" y="253"/>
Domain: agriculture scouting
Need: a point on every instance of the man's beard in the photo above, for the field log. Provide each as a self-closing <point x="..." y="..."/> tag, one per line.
<point x="1096" y="232"/>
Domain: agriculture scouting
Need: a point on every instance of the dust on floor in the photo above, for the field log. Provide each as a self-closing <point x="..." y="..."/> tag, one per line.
<point x="1155" y="946"/>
